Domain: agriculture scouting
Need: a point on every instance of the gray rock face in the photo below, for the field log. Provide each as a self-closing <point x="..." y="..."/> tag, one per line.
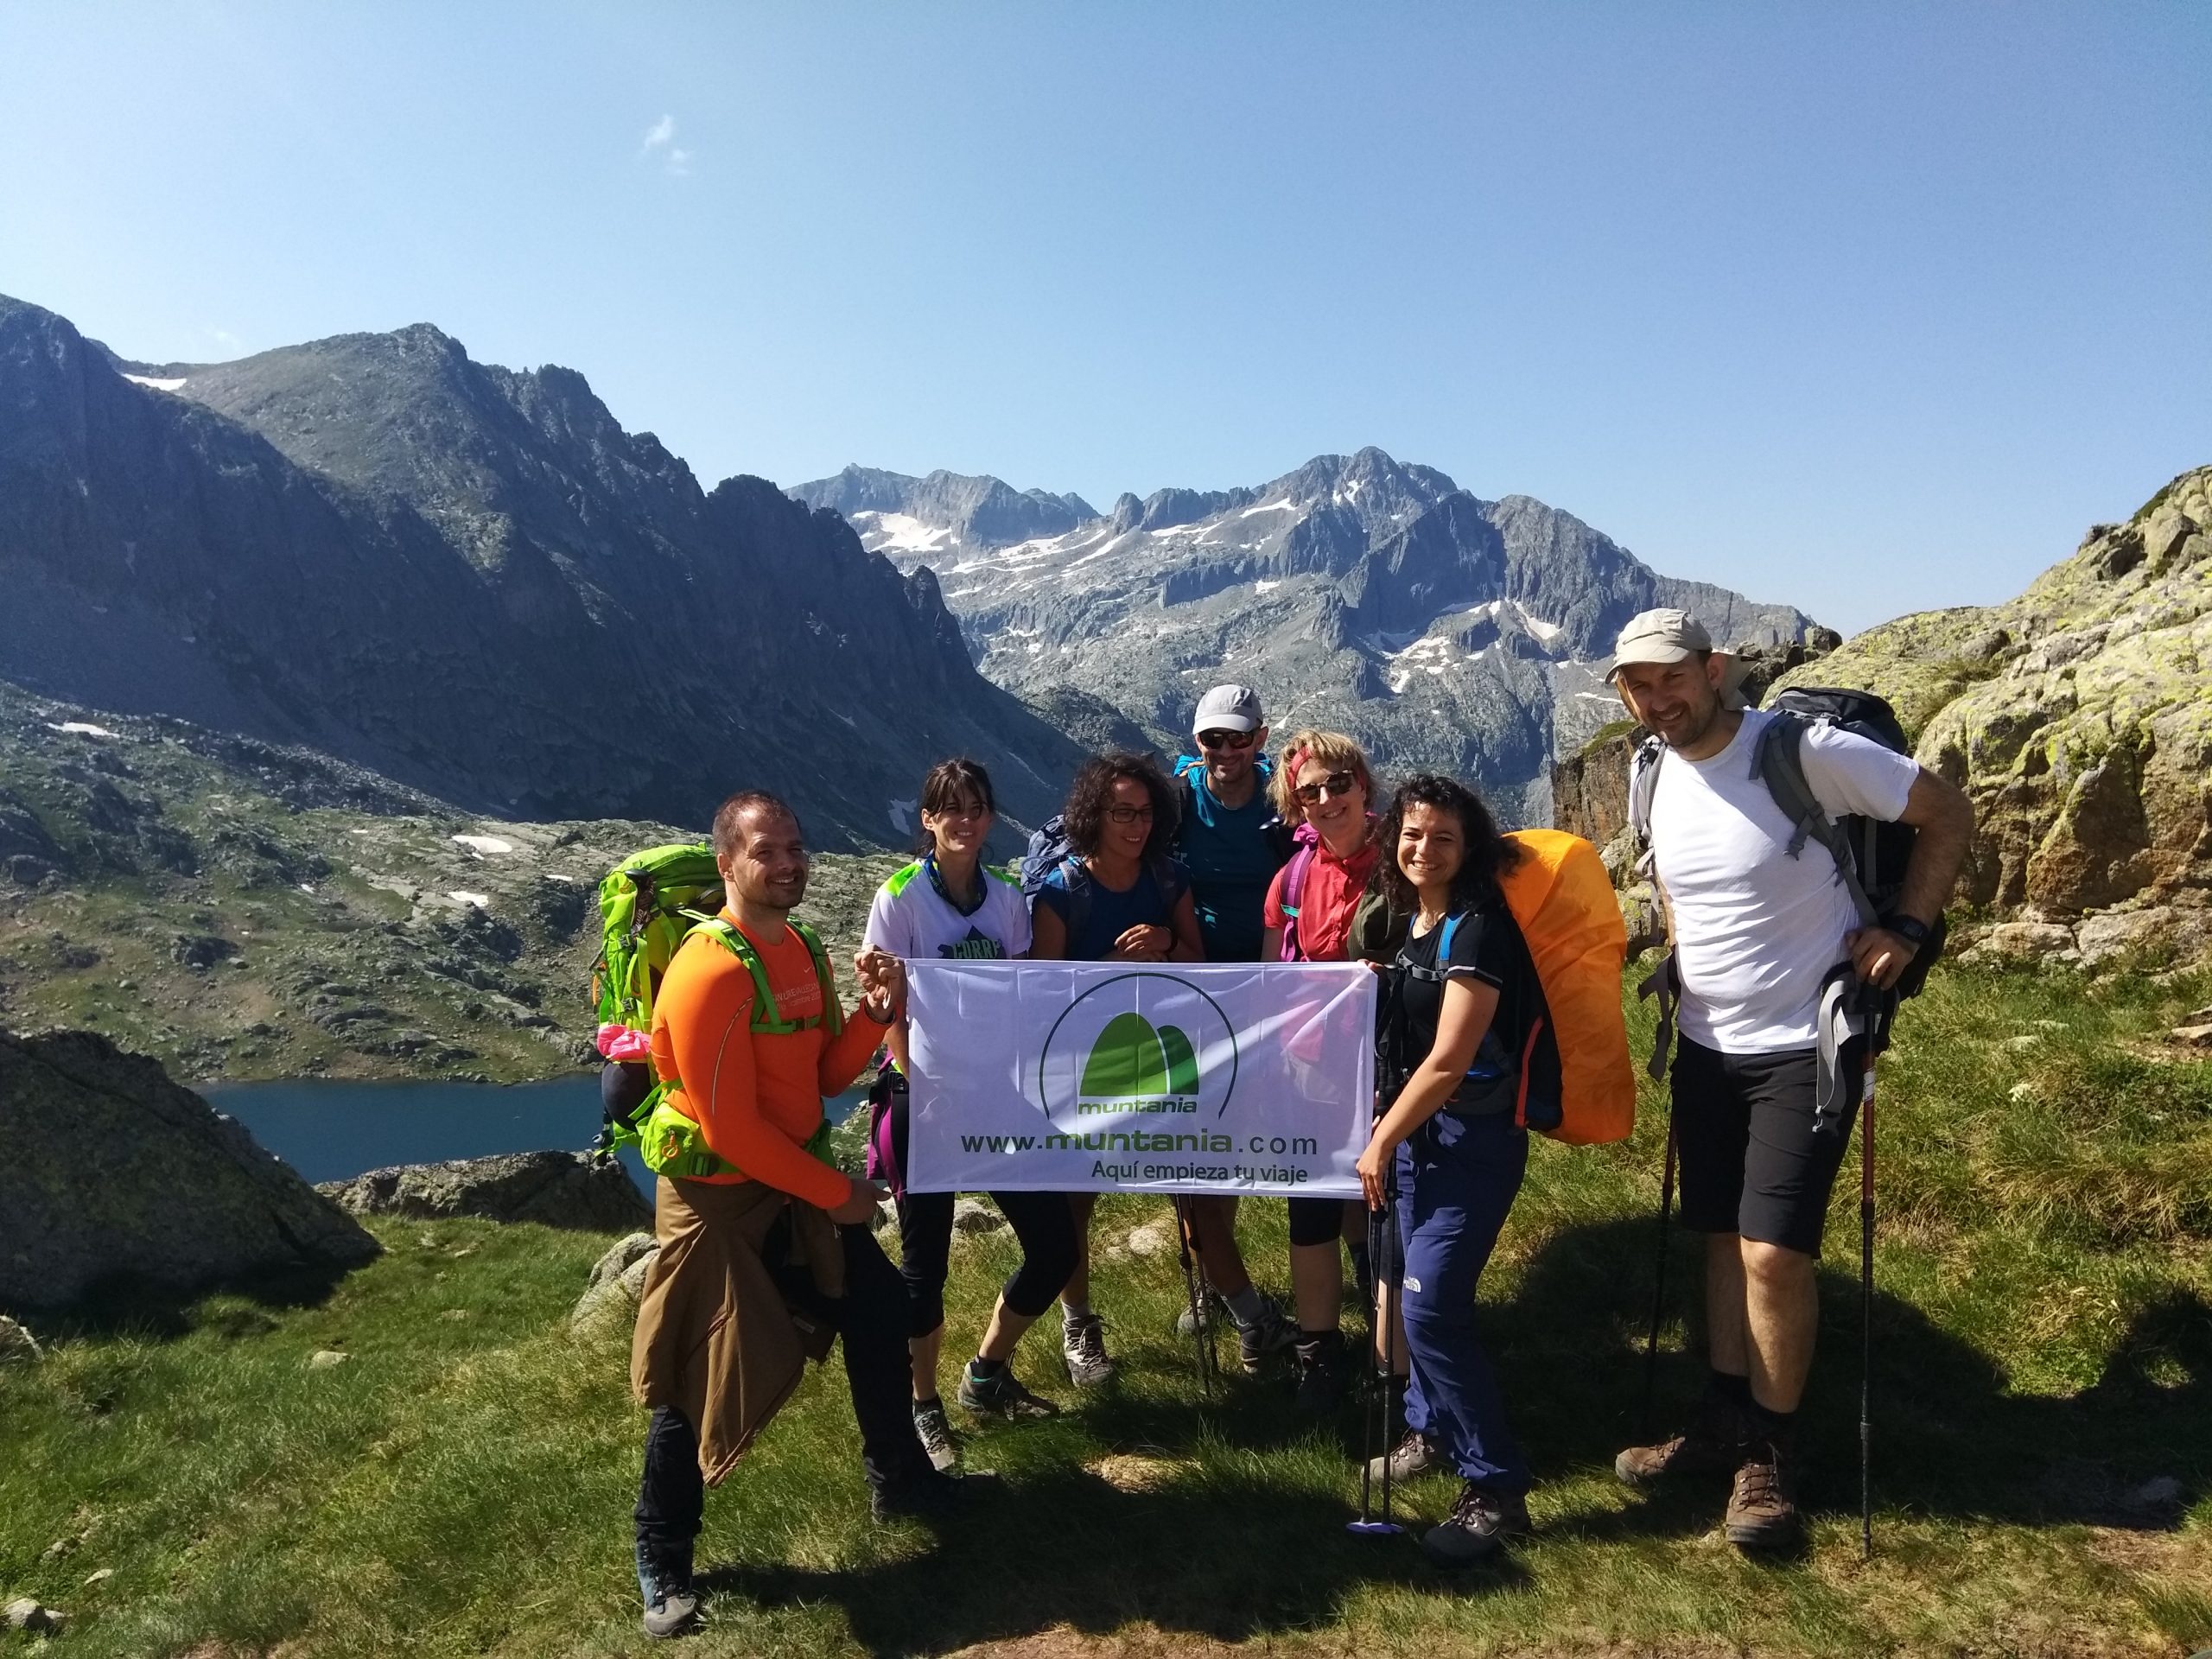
<point x="617" y="1283"/>
<point x="1442" y="631"/>
<point x="375" y="547"/>
<point x="115" y="1172"/>
<point x="555" y="1189"/>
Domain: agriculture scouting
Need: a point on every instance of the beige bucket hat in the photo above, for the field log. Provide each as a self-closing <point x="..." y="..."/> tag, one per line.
<point x="1667" y="635"/>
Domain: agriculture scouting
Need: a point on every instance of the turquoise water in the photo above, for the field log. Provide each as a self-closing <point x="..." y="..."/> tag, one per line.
<point x="331" y="1130"/>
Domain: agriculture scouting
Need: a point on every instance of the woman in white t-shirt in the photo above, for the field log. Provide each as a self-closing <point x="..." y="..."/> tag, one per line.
<point x="948" y="904"/>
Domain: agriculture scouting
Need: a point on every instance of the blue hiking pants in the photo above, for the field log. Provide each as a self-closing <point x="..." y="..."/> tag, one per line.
<point x="1457" y="1178"/>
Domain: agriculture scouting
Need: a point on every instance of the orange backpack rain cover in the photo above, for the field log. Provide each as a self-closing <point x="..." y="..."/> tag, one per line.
<point x="1560" y="895"/>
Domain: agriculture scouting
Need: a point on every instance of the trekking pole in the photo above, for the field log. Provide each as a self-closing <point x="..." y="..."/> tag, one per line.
<point x="1375" y="1413"/>
<point x="1391" y="1300"/>
<point x="1659" y="1279"/>
<point x="1866" y="1301"/>
<point x="1200" y="1335"/>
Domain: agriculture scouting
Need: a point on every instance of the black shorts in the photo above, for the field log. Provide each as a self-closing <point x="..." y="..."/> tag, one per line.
<point x="1319" y="1221"/>
<point x="1754" y="1161"/>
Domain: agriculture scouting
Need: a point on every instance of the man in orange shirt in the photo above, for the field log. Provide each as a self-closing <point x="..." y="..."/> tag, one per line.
<point x="763" y="1243"/>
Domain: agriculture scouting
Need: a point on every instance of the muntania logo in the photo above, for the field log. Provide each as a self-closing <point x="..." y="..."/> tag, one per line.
<point x="1139" y="1044"/>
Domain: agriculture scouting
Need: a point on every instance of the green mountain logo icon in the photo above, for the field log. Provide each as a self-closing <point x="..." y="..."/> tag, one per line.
<point x="1152" y="1069"/>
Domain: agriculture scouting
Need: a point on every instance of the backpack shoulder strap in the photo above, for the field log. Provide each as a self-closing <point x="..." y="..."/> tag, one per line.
<point x="833" y="1017"/>
<point x="1643" y="784"/>
<point x="1778" y="762"/>
<point x="1294" y="895"/>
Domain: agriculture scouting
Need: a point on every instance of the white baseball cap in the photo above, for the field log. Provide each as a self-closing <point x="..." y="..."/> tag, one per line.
<point x="1229" y="709"/>
<point x="1667" y="635"/>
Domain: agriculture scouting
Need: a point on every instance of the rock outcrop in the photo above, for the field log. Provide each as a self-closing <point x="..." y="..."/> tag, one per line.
<point x="617" y="1284"/>
<point x="2079" y="718"/>
<point x="555" y="1189"/>
<point x="114" y="1172"/>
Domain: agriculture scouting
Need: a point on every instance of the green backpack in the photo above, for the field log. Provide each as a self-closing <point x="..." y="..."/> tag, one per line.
<point x="649" y="904"/>
<point x="646" y="904"/>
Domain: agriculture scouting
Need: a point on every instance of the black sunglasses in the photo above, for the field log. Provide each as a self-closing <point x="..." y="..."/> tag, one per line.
<point x="1226" y="740"/>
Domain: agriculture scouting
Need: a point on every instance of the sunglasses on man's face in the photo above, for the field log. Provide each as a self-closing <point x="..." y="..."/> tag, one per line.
<point x="1225" y="739"/>
<point x="1130" y="814"/>
<point x="1337" y="783"/>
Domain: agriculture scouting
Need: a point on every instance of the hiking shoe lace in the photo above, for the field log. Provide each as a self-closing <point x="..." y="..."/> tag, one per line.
<point x="1083" y="1346"/>
<point x="672" y="1605"/>
<point x="1211" y="1310"/>
<point x="935" y="1432"/>
<point x="1714" y="1443"/>
<point x="1412" y="1456"/>
<point x="1003" y="1395"/>
<point x="1323" y="1373"/>
<point x="1763" y="1506"/>
<point x="1481" y="1519"/>
<point x="1268" y="1334"/>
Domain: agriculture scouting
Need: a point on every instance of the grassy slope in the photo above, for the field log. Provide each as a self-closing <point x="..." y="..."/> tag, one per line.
<point x="318" y="894"/>
<point x="463" y="1485"/>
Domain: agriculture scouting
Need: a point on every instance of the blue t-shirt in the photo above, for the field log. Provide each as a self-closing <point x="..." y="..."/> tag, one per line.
<point x="1106" y="915"/>
<point x="1232" y="857"/>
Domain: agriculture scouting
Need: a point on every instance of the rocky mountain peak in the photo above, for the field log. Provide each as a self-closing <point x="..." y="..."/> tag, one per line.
<point x="1358" y="590"/>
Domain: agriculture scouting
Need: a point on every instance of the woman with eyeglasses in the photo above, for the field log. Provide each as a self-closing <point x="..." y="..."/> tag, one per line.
<point x="1117" y="896"/>
<point x="948" y="905"/>
<point x="1322" y="789"/>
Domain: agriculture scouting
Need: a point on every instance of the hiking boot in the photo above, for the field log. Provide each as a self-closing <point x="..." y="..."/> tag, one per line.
<point x="1714" y="1444"/>
<point x="1324" y="1371"/>
<point x="1763" y="1507"/>
<point x="1268" y="1334"/>
<point x="927" y="1494"/>
<point x="936" y="1434"/>
<point x="1211" y="1311"/>
<point x="1083" y="1345"/>
<point x="1414" y="1455"/>
<point x="671" y="1602"/>
<point x="1480" y="1522"/>
<point x="1003" y="1396"/>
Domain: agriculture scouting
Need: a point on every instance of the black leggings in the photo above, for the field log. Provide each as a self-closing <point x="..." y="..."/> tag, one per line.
<point x="1041" y="1221"/>
<point x="1319" y="1221"/>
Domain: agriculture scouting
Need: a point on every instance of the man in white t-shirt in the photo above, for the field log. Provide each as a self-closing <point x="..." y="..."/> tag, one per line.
<point x="1756" y="935"/>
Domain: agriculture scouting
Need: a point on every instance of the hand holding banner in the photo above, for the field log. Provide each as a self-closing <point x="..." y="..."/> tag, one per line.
<point x="1121" y="1077"/>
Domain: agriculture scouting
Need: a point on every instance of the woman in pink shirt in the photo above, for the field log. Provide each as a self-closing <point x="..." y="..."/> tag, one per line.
<point x="1322" y="789"/>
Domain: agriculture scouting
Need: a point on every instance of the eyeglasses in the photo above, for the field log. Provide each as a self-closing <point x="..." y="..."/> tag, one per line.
<point x="1226" y="740"/>
<point x="962" y="810"/>
<point x="1337" y="783"/>
<point x="1130" y="814"/>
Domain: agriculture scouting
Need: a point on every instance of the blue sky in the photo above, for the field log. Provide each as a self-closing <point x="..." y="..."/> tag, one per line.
<point x="1866" y="308"/>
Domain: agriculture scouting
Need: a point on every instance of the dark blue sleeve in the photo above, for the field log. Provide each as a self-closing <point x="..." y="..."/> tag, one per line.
<point x="1053" y="894"/>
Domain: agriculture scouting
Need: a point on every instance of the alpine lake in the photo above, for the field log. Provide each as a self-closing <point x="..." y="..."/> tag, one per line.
<point x="331" y="1130"/>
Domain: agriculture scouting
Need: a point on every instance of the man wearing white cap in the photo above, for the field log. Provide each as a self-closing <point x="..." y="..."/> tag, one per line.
<point x="1758" y="931"/>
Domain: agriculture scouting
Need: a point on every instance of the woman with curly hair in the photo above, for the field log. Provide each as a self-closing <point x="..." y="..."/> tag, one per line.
<point x="1462" y="1014"/>
<point x="1323" y="790"/>
<point x="1117" y="896"/>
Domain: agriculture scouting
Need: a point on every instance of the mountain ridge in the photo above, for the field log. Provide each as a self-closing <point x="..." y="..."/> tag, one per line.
<point x="368" y="543"/>
<point x="1340" y="588"/>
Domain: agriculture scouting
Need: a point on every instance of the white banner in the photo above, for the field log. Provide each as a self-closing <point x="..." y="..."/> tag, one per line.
<point x="1138" y="1076"/>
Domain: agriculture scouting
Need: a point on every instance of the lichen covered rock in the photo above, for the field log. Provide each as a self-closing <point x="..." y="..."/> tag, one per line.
<point x="555" y="1189"/>
<point x="2079" y="719"/>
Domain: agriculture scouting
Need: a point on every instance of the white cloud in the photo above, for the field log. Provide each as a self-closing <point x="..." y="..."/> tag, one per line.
<point x="660" y="140"/>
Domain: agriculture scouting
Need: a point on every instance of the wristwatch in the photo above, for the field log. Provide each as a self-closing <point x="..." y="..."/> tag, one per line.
<point x="1910" y="929"/>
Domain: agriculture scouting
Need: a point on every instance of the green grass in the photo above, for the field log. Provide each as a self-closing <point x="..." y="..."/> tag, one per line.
<point x="463" y="1485"/>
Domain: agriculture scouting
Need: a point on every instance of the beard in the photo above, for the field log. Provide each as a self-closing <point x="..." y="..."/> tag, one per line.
<point x="1697" y="724"/>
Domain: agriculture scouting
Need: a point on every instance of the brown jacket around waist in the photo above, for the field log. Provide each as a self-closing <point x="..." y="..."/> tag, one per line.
<point x="716" y="1339"/>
